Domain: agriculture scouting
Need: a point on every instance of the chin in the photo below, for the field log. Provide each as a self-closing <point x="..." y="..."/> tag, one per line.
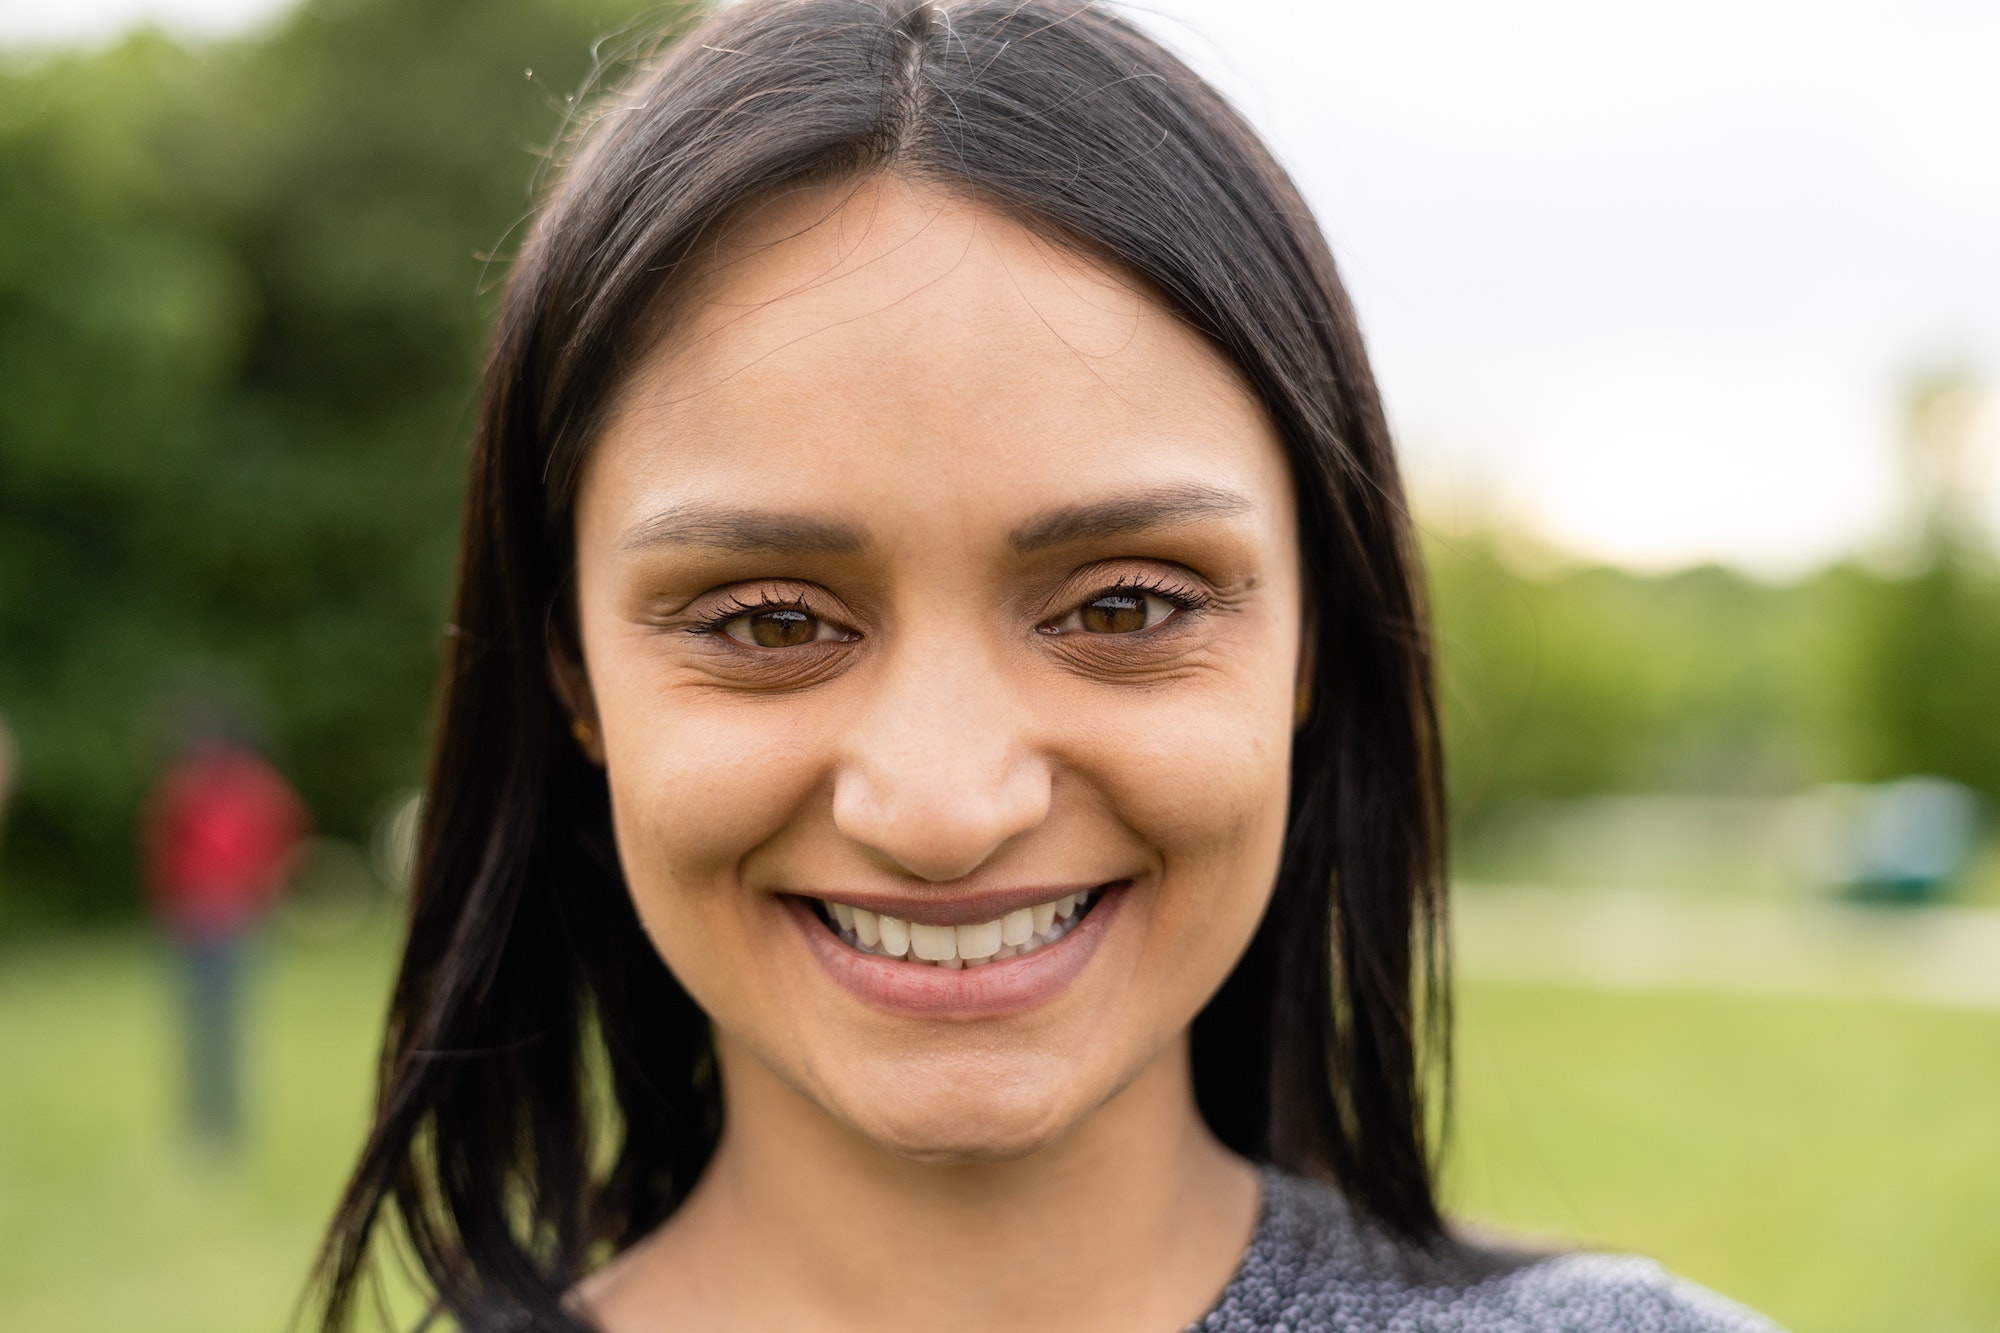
<point x="967" y="1121"/>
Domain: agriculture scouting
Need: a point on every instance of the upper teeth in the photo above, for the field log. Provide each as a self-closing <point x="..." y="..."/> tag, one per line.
<point x="1020" y="931"/>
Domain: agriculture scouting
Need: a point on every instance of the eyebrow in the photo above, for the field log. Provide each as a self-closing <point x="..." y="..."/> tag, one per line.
<point x="1125" y="515"/>
<point x="765" y="531"/>
<point x="731" y="528"/>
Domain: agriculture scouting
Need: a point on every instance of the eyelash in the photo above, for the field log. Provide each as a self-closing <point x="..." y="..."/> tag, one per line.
<point x="738" y="607"/>
<point x="1183" y="598"/>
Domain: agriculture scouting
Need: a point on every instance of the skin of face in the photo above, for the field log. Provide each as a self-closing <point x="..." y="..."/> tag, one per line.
<point x="914" y="444"/>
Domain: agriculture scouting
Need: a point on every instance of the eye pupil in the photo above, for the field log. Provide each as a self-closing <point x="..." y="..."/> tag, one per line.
<point x="781" y="629"/>
<point x="1115" y="613"/>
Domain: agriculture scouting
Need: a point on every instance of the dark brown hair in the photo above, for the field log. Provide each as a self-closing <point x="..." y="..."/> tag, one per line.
<point x="548" y="1092"/>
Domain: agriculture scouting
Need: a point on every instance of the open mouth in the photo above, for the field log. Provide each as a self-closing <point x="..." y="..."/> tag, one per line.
<point x="1021" y="931"/>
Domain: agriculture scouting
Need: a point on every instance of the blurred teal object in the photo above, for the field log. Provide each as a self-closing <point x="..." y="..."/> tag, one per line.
<point x="1903" y="842"/>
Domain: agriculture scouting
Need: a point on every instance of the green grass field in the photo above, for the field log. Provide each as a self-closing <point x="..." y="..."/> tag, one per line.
<point x="1837" y="1165"/>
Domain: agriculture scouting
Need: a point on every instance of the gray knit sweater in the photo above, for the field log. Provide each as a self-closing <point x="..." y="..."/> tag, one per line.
<point x="1314" y="1268"/>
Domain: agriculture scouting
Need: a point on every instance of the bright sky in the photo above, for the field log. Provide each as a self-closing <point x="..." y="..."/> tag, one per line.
<point x="41" y="22"/>
<point x="1648" y="278"/>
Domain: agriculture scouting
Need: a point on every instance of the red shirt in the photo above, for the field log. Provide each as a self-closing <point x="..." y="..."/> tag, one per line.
<point x="220" y="828"/>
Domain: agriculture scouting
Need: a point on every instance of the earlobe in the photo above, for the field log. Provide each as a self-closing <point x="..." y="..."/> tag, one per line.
<point x="572" y="687"/>
<point x="583" y="730"/>
<point x="1302" y="690"/>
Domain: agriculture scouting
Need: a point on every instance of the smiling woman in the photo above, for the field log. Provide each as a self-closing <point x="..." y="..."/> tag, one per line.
<point x="950" y="672"/>
<point x="936" y="817"/>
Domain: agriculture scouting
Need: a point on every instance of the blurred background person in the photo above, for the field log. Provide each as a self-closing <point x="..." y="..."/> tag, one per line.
<point x="220" y="829"/>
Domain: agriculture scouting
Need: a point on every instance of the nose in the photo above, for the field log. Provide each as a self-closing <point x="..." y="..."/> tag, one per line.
<point x="940" y="771"/>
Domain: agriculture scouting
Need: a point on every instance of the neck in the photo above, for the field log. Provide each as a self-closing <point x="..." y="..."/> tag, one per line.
<point x="1134" y="1219"/>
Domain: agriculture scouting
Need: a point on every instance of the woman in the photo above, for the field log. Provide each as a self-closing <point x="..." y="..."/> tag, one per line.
<point x="937" y="819"/>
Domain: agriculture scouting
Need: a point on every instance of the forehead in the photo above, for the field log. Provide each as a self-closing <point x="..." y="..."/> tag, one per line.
<point x="890" y="343"/>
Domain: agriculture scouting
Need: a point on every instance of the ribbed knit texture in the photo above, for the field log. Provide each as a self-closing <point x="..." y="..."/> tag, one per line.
<point x="1313" y="1267"/>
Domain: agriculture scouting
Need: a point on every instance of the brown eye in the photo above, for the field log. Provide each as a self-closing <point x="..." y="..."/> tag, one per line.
<point x="1122" y="611"/>
<point x="779" y="627"/>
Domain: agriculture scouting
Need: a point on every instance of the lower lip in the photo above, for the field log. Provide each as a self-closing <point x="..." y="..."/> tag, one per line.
<point x="919" y="990"/>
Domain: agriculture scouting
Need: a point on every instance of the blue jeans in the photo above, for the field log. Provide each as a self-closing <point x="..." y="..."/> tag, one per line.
<point x="213" y="974"/>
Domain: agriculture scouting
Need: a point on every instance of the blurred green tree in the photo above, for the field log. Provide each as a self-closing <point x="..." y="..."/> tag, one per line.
<point x="1930" y="657"/>
<point x="1590" y="679"/>
<point x="242" y="297"/>
<point x="1929" y="643"/>
<point x="1585" y="679"/>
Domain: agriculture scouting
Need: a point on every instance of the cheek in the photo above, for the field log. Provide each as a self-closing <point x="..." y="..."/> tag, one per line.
<point x="1204" y="780"/>
<point x="1201" y="783"/>
<point x="1202" y="770"/>
<point x="696" y="783"/>
<point x="694" y="788"/>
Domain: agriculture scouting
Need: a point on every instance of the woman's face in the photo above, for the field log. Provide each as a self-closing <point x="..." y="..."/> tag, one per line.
<point x="935" y="572"/>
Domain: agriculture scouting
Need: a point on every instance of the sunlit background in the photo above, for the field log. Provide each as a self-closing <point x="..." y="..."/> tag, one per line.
<point x="1688" y="320"/>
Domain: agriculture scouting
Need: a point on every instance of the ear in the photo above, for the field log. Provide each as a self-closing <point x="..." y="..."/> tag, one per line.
<point x="571" y="680"/>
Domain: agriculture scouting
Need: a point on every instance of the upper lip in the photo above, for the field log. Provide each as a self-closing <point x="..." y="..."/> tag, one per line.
<point x="961" y="909"/>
